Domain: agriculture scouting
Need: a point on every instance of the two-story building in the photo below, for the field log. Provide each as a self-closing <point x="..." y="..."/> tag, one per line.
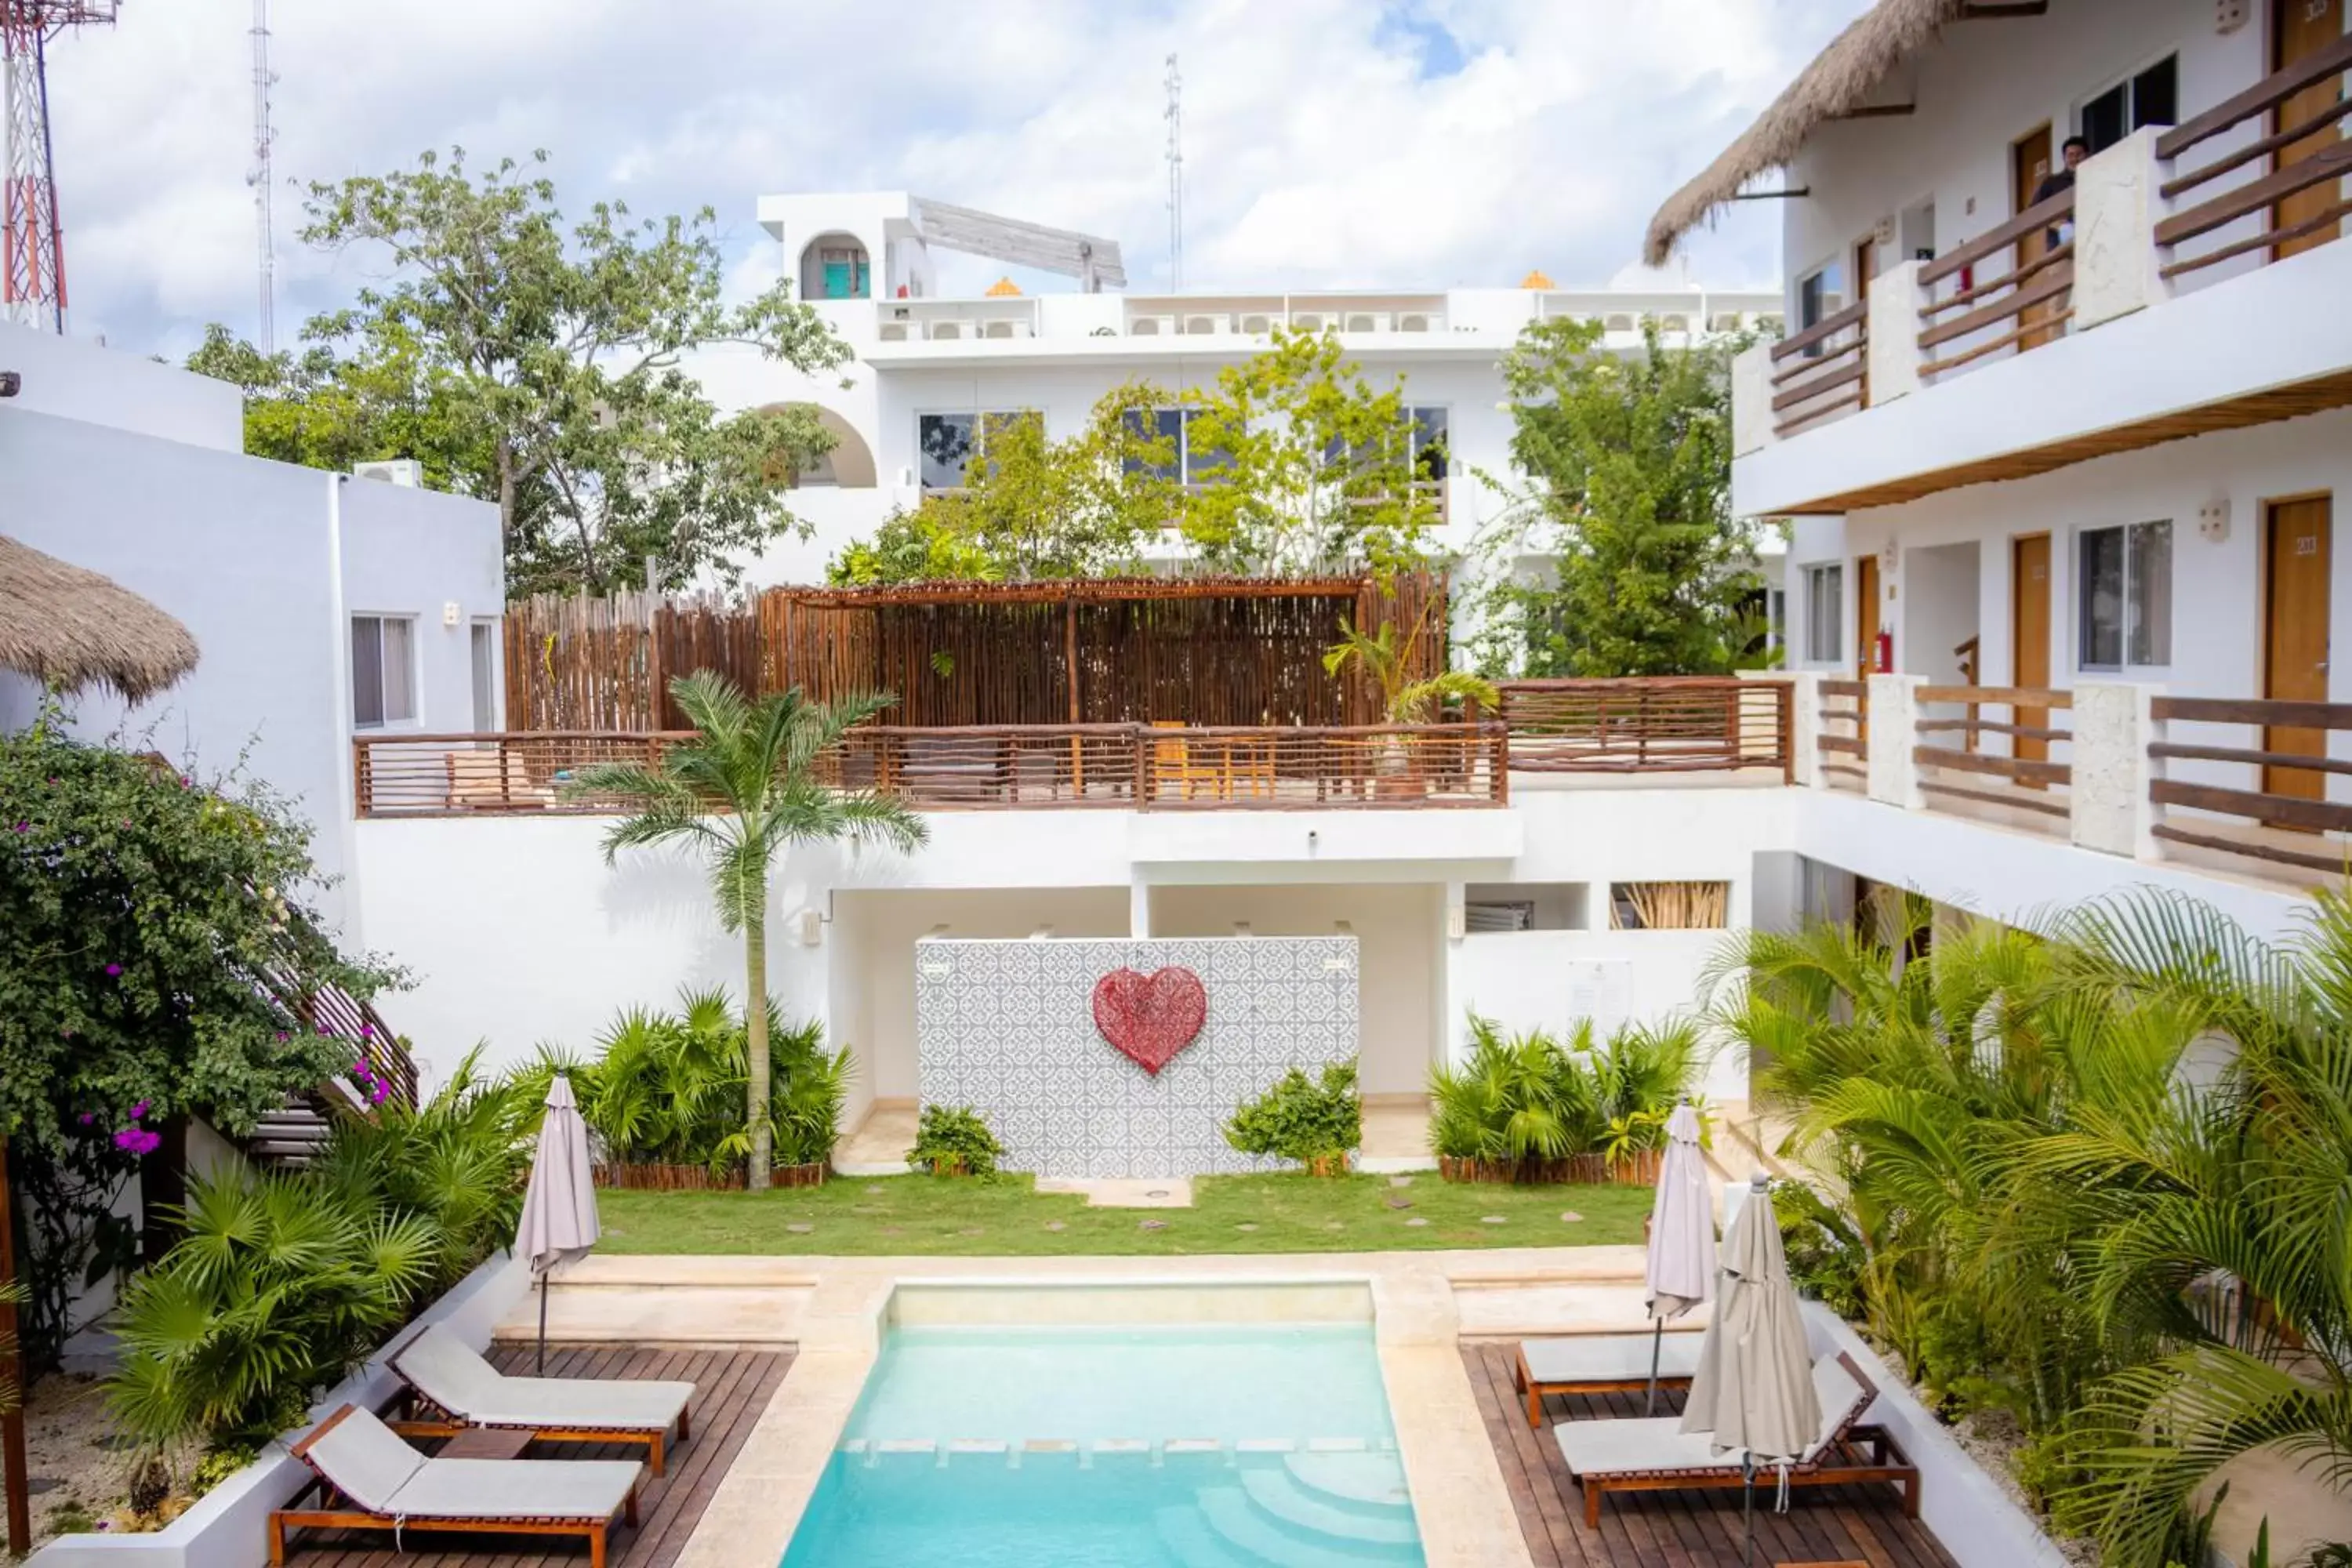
<point x="2060" y="421"/>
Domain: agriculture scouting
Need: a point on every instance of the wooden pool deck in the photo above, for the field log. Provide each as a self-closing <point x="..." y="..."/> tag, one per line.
<point x="734" y="1388"/>
<point x="1828" y="1525"/>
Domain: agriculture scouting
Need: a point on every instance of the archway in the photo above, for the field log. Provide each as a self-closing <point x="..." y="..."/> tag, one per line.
<point x="849" y="465"/>
<point x="833" y="266"/>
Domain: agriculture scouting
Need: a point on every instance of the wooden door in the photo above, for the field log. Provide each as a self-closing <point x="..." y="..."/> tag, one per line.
<point x="2301" y="27"/>
<point x="1865" y="615"/>
<point x="2029" y="635"/>
<point x="2294" y="635"/>
<point x="1865" y="265"/>
<point x="2030" y="158"/>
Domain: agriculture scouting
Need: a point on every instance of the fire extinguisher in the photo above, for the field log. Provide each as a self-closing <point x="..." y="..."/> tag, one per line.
<point x="1883" y="653"/>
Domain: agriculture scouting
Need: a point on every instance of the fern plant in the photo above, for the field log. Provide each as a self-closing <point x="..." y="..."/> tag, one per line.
<point x="1316" y="1122"/>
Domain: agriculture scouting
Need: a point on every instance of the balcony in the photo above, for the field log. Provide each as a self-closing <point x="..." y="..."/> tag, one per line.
<point x="2189" y="283"/>
<point x="2238" y="787"/>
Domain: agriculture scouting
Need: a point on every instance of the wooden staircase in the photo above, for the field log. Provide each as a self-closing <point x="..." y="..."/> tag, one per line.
<point x="296" y="1133"/>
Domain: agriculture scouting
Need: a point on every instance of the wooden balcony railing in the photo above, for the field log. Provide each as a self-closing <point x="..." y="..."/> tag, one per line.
<point x="1843" y="743"/>
<point x="2024" y="767"/>
<point x="2307" y="155"/>
<point x="2283" y="817"/>
<point x="1822" y="371"/>
<point x="2022" y="307"/>
<point x="986" y="767"/>
<point x="1671" y="724"/>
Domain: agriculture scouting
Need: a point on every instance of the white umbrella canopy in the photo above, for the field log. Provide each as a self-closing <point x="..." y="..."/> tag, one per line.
<point x="1754" y="1387"/>
<point x="559" y="1206"/>
<point x="1680" y="1273"/>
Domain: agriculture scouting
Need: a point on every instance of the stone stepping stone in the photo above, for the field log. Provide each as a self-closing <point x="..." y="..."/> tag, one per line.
<point x="800" y="1229"/>
<point x="975" y="1230"/>
<point x="1399" y="1203"/>
<point x="1416" y="1220"/>
<point x="1151" y="1225"/>
<point x="1245" y="1224"/>
<point x="1492" y="1219"/>
<point x="1570" y="1216"/>
<point x="1055" y="1224"/>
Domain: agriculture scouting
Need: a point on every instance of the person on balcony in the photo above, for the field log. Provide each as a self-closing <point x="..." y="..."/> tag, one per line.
<point x="2075" y="149"/>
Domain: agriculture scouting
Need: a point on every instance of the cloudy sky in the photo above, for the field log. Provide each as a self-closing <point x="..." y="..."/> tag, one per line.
<point x="1327" y="143"/>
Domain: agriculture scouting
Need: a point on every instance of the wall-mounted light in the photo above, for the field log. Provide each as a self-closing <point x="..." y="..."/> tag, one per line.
<point x="808" y="927"/>
<point x="11" y="383"/>
<point x="2213" y="519"/>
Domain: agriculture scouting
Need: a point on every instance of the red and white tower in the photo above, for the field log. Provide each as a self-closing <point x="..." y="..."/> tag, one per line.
<point x="32" y="241"/>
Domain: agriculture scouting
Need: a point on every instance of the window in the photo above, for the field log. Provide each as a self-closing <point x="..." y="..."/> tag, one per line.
<point x="1825" y="614"/>
<point x="383" y="684"/>
<point x="2151" y="97"/>
<point x="485" y="677"/>
<point x="1669" y="906"/>
<point x="1430" y="443"/>
<point x="1818" y="296"/>
<point x="948" y="442"/>
<point x="2125" y="589"/>
<point x="1188" y="463"/>
<point x="843" y="268"/>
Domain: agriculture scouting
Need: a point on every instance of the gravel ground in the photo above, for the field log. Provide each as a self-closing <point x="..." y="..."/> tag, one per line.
<point x="76" y="1461"/>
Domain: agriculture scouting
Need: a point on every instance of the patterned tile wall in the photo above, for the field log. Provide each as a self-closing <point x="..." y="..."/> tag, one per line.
<point x="1008" y="1027"/>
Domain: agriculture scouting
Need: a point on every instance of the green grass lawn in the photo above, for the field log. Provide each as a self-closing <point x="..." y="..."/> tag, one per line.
<point x="1006" y="1216"/>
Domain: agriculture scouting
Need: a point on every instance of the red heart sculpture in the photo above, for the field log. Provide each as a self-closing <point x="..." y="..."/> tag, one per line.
<point x="1149" y="1018"/>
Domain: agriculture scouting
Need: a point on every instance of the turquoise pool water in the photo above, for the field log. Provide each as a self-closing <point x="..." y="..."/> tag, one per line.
<point x="1086" y="1448"/>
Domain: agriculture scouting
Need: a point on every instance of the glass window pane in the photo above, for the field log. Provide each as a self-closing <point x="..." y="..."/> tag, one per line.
<point x="945" y="442"/>
<point x="1203" y="464"/>
<point x="2155" y="94"/>
<point x="399" y="689"/>
<point x="367" y="672"/>
<point x="1824" y="612"/>
<point x="486" y="670"/>
<point x="2103" y="119"/>
<point x="2101" y="598"/>
<point x="1428" y="443"/>
<point x="2151" y="593"/>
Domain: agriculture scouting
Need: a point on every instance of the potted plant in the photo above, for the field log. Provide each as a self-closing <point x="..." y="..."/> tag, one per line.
<point x="1319" y="1124"/>
<point x="1528" y="1108"/>
<point x="1389" y="660"/>
<point x="954" y="1140"/>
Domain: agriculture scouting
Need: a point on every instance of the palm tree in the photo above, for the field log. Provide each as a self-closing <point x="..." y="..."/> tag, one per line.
<point x="1388" y="660"/>
<point x="747" y="787"/>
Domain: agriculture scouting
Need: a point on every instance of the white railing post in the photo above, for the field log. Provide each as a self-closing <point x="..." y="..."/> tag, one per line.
<point x="1893" y="352"/>
<point x="1805" y="727"/>
<point x="1894" y="730"/>
<point x="2117" y="201"/>
<point x="2113" y="723"/>
<point x="1751" y="401"/>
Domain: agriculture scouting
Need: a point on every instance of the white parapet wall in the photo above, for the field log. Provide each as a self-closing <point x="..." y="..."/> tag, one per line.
<point x="229" y="1526"/>
<point x="1974" y="1518"/>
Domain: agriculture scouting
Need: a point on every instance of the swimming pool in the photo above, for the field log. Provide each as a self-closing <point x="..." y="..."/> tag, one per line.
<point x="1077" y="1445"/>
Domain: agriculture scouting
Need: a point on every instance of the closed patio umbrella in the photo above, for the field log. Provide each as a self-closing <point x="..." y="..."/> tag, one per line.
<point x="1681" y="1270"/>
<point x="559" y="1208"/>
<point x="1754" y="1388"/>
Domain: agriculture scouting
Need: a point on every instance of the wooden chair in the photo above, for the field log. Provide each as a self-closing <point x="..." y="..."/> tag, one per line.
<point x="447" y="1374"/>
<point x="1174" y="760"/>
<point x="492" y="781"/>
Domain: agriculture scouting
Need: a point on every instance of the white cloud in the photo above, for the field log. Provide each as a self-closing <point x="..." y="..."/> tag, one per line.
<point x="1320" y="147"/>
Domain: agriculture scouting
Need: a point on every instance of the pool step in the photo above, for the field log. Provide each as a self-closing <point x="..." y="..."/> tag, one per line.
<point x="1240" y="1526"/>
<point x="1186" y="1534"/>
<point x="1370" y="1480"/>
<point x="1284" y="1499"/>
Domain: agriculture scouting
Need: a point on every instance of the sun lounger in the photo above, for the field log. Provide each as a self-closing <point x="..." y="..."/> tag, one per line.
<point x="469" y="1392"/>
<point x="1600" y="1364"/>
<point x="382" y="1483"/>
<point x="1655" y="1455"/>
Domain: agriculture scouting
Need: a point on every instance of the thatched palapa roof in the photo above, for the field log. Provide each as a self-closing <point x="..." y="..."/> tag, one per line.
<point x="64" y="626"/>
<point x="1838" y="82"/>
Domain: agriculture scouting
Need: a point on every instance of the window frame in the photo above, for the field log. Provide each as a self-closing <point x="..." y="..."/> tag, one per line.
<point x="2129" y="607"/>
<point x="2127" y="81"/>
<point x="486" y="628"/>
<point x="979" y="447"/>
<point x="1816" y="629"/>
<point x="385" y="719"/>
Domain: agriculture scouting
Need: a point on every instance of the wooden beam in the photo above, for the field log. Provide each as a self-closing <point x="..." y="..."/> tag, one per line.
<point x="1878" y="112"/>
<point x="2006" y="12"/>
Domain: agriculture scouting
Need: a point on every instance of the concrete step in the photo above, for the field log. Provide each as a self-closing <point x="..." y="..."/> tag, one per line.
<point x="1370" y="1480"/>
<point x="1237" y="1523"/>
<point x="1186" y="1534"/>
<point x="1275" y="1493"/>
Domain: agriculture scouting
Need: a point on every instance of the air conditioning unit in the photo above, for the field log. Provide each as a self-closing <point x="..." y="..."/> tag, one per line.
<point x="946" y="332"/>
<point x="1151" y="326"/>
<point x="406" y="472"/>
<point x="894" y="332"/>
<point x="1364" y="322"/>
<point x="1257" y="326"/>
<point x="1306" y="321"/>
<point x="996" y="329"/>
<point x="1203" y="326"/>
<point x="1413" y="323"/>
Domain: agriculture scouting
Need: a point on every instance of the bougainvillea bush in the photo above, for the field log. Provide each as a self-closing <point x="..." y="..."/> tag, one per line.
<point x="154" y="947"/>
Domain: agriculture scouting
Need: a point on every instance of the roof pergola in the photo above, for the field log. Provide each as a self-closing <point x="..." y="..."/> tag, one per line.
<point x="71" y="629"/>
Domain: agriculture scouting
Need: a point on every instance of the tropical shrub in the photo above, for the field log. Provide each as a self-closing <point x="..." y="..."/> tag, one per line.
<point x="1302" y="1119"/>
<point x="2096" y="1175"/>
<point x="1527" y="1102"/>
<point x="667" y="1089"/>
<point x="954" y="1140"/>
<point x="154" y="949"/>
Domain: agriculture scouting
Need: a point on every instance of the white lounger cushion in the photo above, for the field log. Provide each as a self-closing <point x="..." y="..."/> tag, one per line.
<point x="1632" y="1446"/>
<point x="1609" y="1358"/>
<point x="516" y="1489"/>
<point x="447" y="1370"/>
<point x="367" y="1462"/>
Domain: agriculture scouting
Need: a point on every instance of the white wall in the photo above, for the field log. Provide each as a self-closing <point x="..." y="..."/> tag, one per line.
<point x="415" y="552"/>
<point x="1551" y="980"/>
<point x="76" y="378"/>
<point x="1397" y="929"/>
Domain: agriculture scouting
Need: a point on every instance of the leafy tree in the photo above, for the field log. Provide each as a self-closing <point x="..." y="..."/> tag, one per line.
<point x="1032" y="507"/>
<point x="1629" y="489"/>
<point x="746" y="788"/>
<point x="154" y="951"/>
<point x="1388" y="659"/>
<point x="1301" y="464"/>
<point x="541" y="368"/>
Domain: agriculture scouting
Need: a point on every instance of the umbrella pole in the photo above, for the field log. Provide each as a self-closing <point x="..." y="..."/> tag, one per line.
<point x="543" y="1326"/>
<point x="1747" y="1513"/>
<point x="1657" y="1340"/>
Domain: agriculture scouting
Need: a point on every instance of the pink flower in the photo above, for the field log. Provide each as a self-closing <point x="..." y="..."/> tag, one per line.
<point x="367" y="1031"/>
<point x="183" y="781"/>
<point x="137" y="1140"/>
<point x="114" y="969"/>
<point x="138" y="1110"/>
<point x="282" y="1037"/>
<point x="87" y="1117"/>
<point x="23" y="828"/>
<point x="379" y="1094"/>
